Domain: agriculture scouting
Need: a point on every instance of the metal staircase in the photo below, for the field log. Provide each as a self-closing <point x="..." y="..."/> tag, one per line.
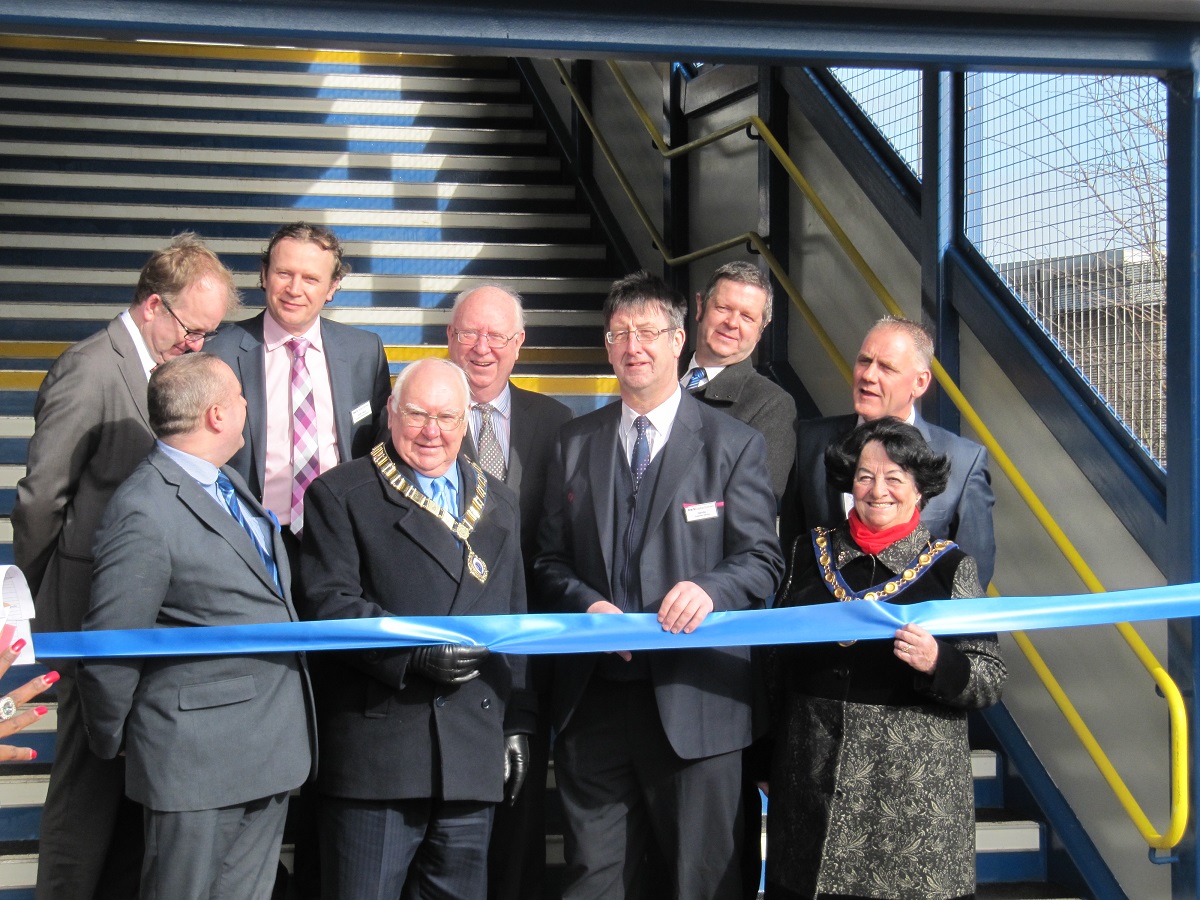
<point x="433" y="170"/>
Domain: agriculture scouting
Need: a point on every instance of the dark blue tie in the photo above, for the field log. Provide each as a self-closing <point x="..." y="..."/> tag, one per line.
<point x="641" y="451"/>
<point x="229" y="495"/>
<point x="697" y="376"/>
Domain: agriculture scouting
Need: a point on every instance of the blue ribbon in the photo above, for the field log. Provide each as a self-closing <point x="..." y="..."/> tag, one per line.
<point x="533" y="633"/>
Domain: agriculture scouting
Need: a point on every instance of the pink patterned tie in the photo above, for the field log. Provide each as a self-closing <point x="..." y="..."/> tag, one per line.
<point x="305" y="463"/>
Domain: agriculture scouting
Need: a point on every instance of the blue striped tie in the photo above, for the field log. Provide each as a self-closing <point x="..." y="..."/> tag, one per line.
<point x="229" y="495"/>
<point x="697" y="376"/>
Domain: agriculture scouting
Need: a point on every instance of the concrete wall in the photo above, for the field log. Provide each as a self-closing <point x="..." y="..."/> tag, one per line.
<point x="627" y="138"/>
<point x="1109" y="687"/>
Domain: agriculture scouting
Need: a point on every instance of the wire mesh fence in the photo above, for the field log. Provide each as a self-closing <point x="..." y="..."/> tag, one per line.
<point x="891" y="99"/>
<point x="1066" y="199"/>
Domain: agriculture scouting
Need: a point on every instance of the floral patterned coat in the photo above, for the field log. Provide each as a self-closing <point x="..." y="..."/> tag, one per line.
<point x="871" y="791"/>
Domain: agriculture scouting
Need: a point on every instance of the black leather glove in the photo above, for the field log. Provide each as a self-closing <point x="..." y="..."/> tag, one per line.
<point x="448" y="663"/>
<point x="516" y="765"/>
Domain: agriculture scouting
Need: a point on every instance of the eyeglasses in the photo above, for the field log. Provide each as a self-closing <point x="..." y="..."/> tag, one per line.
<point x="495" y="341"/>
<point x="416" y="418"/>
<point x="191" y="335"/>
<point x="643" y="335"/>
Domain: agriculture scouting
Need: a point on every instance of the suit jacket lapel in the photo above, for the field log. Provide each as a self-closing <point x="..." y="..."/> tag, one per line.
<point x="278" y="550"/>
<point x="677" y="455"/>
<point x="520" y="438"/>
<point x="727" y="386"/>
<point x="921" y="425"/>
<point x="341" y="386"/>
<point x="605" y="453"/>
<point x="130" y="365"/>
<point x="425" y="531"/>
<point x="252" y="372"/>
<point x="207" y="510"/>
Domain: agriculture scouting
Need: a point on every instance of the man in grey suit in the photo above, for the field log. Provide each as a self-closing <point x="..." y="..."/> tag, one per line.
<point x="511" y="435"/>
<point x="316" y="392"/>
<point x="731" y="315"/>
<point x="891" y="373"/>
<point x="418" y="744"/>
<point x="655" y="504"/>
<point x="91" y="428"/>
<point x="213" y="744"/>
<point x="297" y="367"/>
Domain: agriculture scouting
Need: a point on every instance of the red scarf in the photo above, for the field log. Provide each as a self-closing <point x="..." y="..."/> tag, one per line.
<point x="874" y="541"/>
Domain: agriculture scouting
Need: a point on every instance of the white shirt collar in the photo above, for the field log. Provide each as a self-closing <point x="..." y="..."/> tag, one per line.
<point x="910" y="420"/>
<point x="662" y="417"/>
<point x="501" y="403"/>
<point x="139" y="343"/>
<point x="710" y="372"/>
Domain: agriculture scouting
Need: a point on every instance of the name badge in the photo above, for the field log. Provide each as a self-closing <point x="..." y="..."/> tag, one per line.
<point x="698" y="512"/>
<point x="360" y="412"/>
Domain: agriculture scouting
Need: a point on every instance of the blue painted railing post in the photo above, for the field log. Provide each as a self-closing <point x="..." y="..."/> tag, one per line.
<point x="1183" y="416"/>
<point x="942" y="191"/>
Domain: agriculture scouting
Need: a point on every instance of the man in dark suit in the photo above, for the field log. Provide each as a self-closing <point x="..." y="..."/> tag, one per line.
<point x="731" y="316"/>
<point x="316" y="389"/>
<point x="891" y="372"/>
<point x="418" y="745"/>
<point x="511" y="435"/>
<point x="91" y="428"/>
<point x="213" y="744"/>
<point x="654" y="504"/>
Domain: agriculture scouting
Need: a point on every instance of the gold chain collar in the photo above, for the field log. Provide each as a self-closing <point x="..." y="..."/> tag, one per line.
<point x="460" y="528"/>
<point x="884" y="591"/>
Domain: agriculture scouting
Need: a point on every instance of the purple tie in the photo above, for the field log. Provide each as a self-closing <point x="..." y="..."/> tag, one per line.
<point x="305" y="464"/>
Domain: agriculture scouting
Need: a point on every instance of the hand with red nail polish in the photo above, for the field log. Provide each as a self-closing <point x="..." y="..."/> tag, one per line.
<point x="12" y="718"/>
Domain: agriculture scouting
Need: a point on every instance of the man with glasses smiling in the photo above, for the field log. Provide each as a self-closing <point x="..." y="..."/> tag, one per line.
<point x="417" y="745"/>
<point x="656" y="504"/>
<point x="511" y="433"/>
<point x="91" y="429"/>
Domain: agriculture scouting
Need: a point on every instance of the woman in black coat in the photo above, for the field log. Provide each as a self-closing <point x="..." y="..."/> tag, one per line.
<point x="870" y="787"/>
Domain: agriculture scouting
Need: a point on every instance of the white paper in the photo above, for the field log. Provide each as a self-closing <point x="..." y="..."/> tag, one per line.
<point x="16" y="607"/>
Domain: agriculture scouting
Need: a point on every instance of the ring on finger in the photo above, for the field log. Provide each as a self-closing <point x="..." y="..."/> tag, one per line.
<point x="903" y="647"/>
<point x="8" y="708"/>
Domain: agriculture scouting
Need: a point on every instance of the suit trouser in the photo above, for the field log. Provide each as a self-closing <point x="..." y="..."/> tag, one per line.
<point x="421" y="849"/>
<point x="305" y="810"/>
<point x="213" y="854"/>
<point x="90" y="843"/>
<point x="517" y="854"/>
<point x="623" y="787"/>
